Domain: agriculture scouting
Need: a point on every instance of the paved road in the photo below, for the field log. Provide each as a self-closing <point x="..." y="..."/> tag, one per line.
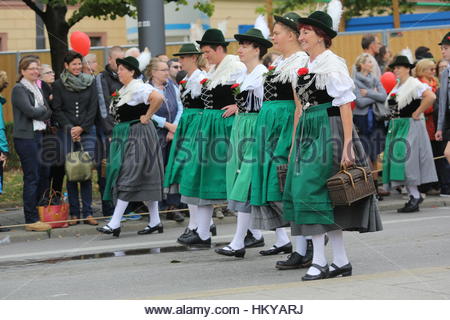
<point x="410" y="259"/>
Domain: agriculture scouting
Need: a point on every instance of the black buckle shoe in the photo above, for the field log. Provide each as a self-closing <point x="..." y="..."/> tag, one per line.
<point x="411" y="206"/>
<point x="148" y="229"/>
<point x="240" y="253"/>
<point x="108" y="230"/>
<point x="345" y="271"/>
<point x="251" y="242"/>
<point x="186" y="234"/>
<point x="324" y="272"/>
<point x="195" y="240"/>
<point x="294" y="261"/>
<point x="287" y="248"/>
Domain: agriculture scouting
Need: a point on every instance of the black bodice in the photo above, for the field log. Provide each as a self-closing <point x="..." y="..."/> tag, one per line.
<point x="218" y="97"/>
<point x="276" y="90"/>
<point x="189" y="102"/>
<point x="308" y="93"/>
<point x="246" y="105"/>
<point x="405" y="112"/>
<point x="126" y="112"/>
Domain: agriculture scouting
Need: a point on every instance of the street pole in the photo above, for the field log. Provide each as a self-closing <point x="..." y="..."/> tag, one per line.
<point x="396" y="13"/>
<point x="40" y="36"/>
<point x="269" y="9"/>
<point x="151" y="31"/>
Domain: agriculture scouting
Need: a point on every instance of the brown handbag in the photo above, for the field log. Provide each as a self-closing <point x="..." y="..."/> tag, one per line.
<point x="350" y="185"/>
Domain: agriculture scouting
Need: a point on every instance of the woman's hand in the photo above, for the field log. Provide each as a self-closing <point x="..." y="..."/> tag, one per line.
<point x="438" y="135"/>
<point x="348" y="155"/>
<point x="416" y="115"/>
<point x="169" y="136"/>
<point x="76" y="132"/>
<point x="363" y="92"/>
<point x="145" y="119"/>
<point x="171" y="127"/>
<point x="229" y="110"/>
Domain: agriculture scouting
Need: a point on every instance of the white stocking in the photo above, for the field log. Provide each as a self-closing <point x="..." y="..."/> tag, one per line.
<point x="119" y="210"/>
<point x="204" y="215"/>
<point x="243" y="222"/>
<point x="257" y="234"/>
<point x="192" y="217"/>
<point x="337" y="241"/>
<point x="318" y="253"/>
<point x="153" y="209"/>
<point x="281" y="237"/>
<point x="299" y="243"/>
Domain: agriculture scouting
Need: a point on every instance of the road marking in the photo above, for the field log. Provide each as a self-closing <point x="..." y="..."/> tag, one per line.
<point x="419" y="272"/>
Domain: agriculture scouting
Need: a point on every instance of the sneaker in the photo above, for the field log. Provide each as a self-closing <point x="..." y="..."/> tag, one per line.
<point x="38" y="226"/>
<point x="218" y="213"/>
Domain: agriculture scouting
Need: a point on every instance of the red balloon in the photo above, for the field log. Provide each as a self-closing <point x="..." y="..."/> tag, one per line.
<point x="80" y="42"/>
<point x="388" y="80"/>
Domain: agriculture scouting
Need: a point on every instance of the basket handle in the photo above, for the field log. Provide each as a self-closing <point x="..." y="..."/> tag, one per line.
<point x="364" y="172"/>
<point x="350" y="177"/>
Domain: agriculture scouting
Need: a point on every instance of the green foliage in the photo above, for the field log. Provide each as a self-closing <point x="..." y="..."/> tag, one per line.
<point x="205" y="6"/>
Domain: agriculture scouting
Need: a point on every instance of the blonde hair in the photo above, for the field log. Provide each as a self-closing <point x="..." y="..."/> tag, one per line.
<point x="421" y="66"/>
<point x="360" y="60"/>
<point x="3" y="80"/>
<point x="202" y="63"/>
<point x="152" y="65"/>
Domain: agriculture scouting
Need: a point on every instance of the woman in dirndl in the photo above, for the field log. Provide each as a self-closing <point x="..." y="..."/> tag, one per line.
<point x="203" y="183"/>
<point x="135" y="169"/>
<point x="408" y="157"/>
<point x="273" y="136"/>
<point x="248" y="93"/>
<point x="183" y="144"/>
<point x="325" y="139"/>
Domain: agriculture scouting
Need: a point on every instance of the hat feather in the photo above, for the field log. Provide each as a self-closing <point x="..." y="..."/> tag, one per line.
<point x="334" y="10"/>
<point x="261" y="24"/>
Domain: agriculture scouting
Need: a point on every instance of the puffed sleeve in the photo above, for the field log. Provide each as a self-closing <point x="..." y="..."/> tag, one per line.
<point x="146" y="90"/>
<point x="422" y="88"/>
<point x="340" y="87"/>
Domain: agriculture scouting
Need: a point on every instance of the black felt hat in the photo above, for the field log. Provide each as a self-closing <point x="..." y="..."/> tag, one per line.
<point x="254" y="35"/>
<point x="130" y="62"/>
<point x="213" y="37"/>
<point x="321" y="20"/>
<point x="401" y="61"/>
<point x="290" y="19"/>
<point x="445" y="39"/>
<point x="187" y="49"/>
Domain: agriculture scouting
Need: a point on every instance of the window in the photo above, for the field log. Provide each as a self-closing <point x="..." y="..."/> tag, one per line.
<point x="98" y="39"/>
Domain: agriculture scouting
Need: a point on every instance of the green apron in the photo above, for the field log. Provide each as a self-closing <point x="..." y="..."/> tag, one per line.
<point x="273" y="134"/>
<point x="396" y="150"/>
<point x="205" y="176"/>
<point x="121" y="132"/>
<point x="183" y="148"/>
<point x="239" y="168"/>
<point x="306" y="199"/>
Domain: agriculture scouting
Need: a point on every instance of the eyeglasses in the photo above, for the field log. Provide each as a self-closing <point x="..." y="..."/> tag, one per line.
<point x="32" y="69"/>
<point x="49" y="72"/>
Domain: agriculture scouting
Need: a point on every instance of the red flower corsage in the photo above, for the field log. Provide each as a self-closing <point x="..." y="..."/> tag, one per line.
<point x="204" y="81"/>
<point x="302" y="71"/>
<point x="236" y="88"/>
<point x="182" y="83"/>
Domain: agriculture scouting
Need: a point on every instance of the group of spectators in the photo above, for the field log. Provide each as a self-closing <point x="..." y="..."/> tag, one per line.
<point x="367" y="71"/>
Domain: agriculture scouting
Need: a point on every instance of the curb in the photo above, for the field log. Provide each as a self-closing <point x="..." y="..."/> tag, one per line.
<point x="20" y="235"/>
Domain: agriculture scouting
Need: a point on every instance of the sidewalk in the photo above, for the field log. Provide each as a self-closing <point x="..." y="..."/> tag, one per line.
<point x="15" y="217"/>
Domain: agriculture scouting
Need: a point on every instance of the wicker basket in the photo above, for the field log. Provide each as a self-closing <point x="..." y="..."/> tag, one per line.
<point x="282" y="172"/>
<point x="350" y="185"/>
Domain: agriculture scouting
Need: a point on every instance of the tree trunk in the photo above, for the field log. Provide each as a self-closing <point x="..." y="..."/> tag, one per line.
<point x="57" y="30"/>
